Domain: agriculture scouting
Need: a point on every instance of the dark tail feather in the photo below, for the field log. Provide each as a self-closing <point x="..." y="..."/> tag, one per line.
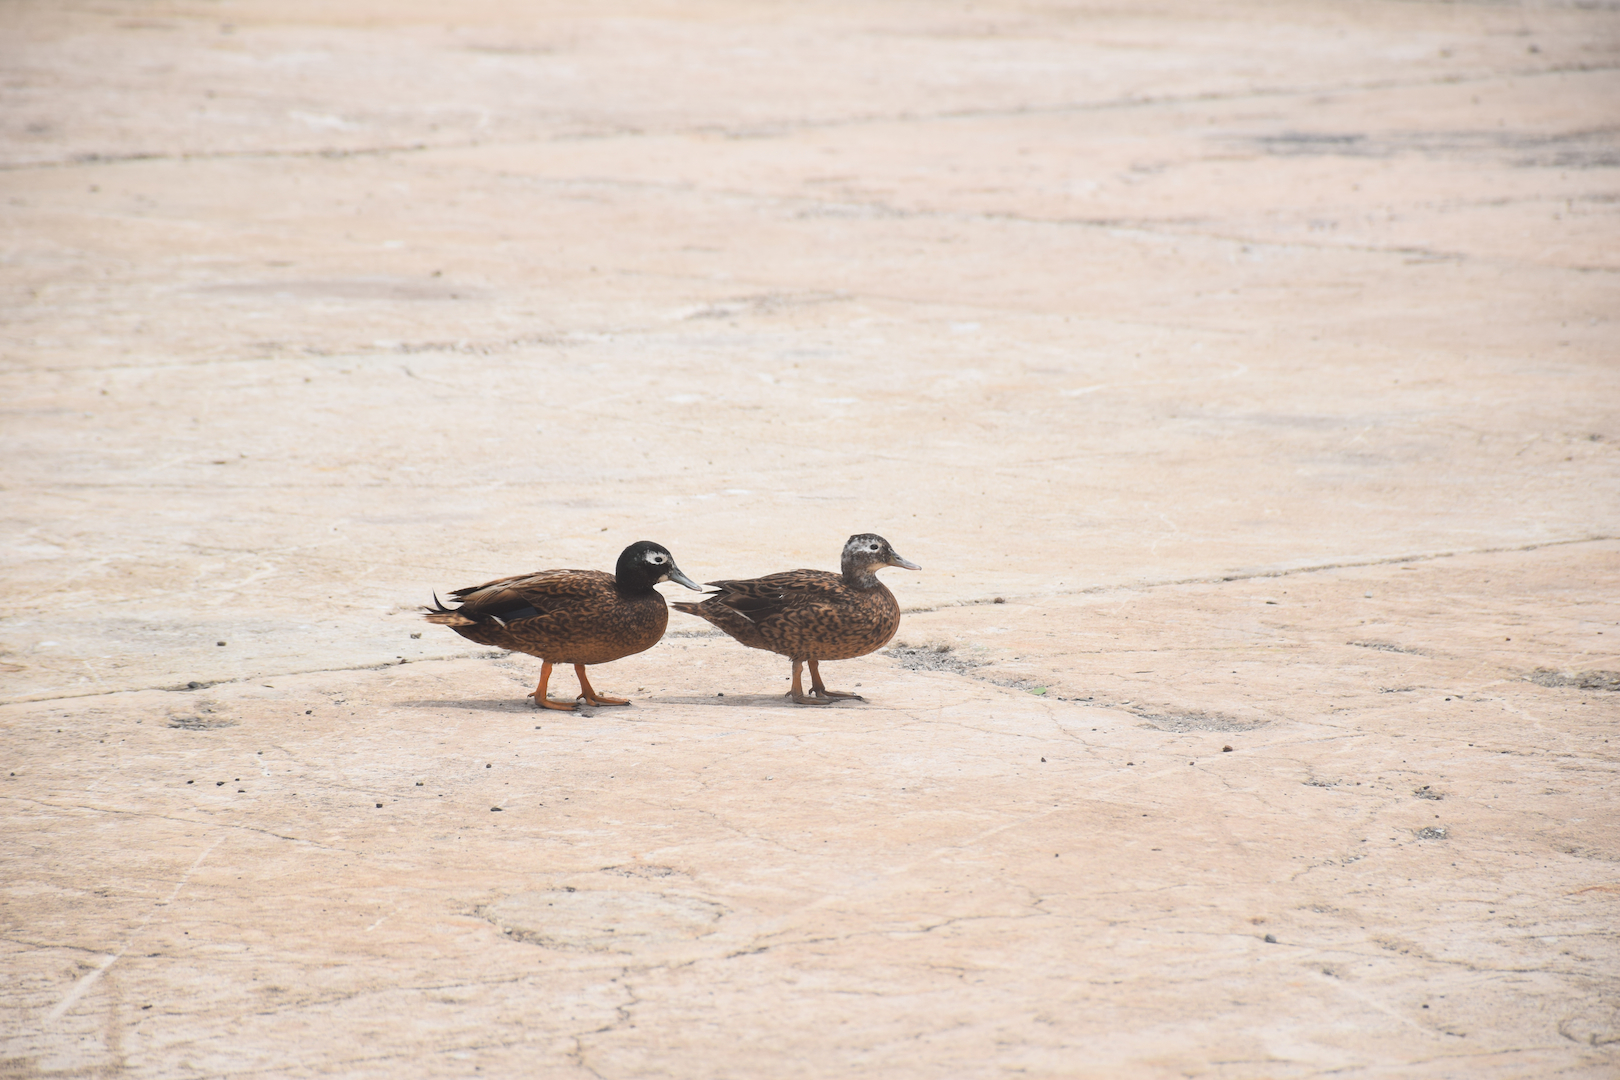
<point x="444" y="616"/>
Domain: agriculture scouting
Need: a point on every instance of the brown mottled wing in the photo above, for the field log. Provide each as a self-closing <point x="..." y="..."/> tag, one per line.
<point x="530" y="595"/>
<point x="775" y="594"/>
<point x="802" y="614"/>
<point x="565" y="616"/>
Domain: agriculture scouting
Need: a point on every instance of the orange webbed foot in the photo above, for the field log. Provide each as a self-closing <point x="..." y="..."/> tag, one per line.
<point x="539" y="692"/>
<point x="589" y="695"/>
<point x="797" y="693"/>
<point x="819" y="690"/>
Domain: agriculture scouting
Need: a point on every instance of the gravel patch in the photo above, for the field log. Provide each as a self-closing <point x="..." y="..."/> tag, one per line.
<point x="1580" y="680"/>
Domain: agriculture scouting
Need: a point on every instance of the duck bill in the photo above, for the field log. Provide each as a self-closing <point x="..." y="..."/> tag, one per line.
<point x="907" y="563"/>
<point x="679" y="578"/>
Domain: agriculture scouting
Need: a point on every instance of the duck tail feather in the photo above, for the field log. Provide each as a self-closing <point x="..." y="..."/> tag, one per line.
<point x="444" y="616"/>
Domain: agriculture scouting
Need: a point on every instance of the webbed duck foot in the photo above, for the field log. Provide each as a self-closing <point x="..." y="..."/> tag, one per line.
<point x="539" y="692"/>
<point x="589" y="695"/>
<point x="797" y="693"/>
<point x="818" y="689"/>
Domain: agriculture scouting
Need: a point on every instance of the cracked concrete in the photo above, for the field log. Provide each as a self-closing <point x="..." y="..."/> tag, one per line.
<point x="1242" y="376"/>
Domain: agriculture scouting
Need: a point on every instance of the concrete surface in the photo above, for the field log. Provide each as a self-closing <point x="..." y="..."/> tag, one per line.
<point x="1242" y="375"/>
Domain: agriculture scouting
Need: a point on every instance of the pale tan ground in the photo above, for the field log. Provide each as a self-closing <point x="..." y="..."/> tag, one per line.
<point x="1242" y="375"/>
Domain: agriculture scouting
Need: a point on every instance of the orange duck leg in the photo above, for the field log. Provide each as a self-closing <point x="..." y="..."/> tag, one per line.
<point x="539" y="692"/>
<point x="591" y="696"/>
<point x="820" y="690"/>
<point x="797" y="693"/>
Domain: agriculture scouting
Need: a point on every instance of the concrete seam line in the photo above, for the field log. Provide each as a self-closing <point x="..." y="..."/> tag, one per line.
<point x="83" y="986"/>
<point x="1256" y="575"/>
<point x="1290" y="572"/>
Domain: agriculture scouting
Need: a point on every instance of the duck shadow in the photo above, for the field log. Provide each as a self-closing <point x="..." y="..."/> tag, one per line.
<point x="753" y="701"/>
<point x="490" y="705"/>
<point x="517" y="708"/>
<point x="525" y="708"/>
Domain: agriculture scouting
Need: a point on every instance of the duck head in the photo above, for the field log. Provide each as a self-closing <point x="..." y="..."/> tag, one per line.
<point x="644" y="564"/>
<point x="866" y="553"/>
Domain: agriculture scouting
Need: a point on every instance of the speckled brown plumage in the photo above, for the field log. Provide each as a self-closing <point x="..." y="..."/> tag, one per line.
<point x="811" y="615"/>
<point x="576" y="617"/>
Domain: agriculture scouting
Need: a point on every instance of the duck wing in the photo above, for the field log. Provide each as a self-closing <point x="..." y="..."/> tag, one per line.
<point x="546" y="593"/>
<point x="759" y="599"/>
<point x="802" y="614"/>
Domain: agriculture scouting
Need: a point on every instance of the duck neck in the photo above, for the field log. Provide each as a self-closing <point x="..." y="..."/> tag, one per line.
<point x="861" y="576"/>
<point x="632" y="581"/>
<point x="628" y="589"/>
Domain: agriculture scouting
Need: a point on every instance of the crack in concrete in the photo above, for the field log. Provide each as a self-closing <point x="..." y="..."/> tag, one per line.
<point x="198" y="684"/>
<point x="1147" y="225"/>
<point x="622" y="1012"/>
<point x="1293" y="571"/>
<point x="355" y="995"/>
<point x="50" y="946"/>
<point x="84" y="984"/>
<point x="776" y="128"/>
<point x="94" y="158"/>
<point x="170" y="817"/>
<point x="1253" y="575"/>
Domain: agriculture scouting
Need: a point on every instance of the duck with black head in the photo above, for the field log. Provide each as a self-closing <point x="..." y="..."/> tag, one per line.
<point x="577" y="617"/>
<point x="812" y="615"/>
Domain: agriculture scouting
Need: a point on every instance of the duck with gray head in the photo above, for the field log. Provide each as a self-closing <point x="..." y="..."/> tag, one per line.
<point x="811" y="615"/>
<point x="576" y="617"/>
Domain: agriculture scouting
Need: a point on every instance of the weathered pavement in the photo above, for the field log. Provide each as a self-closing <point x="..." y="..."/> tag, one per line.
<point x="1240" y="378"/>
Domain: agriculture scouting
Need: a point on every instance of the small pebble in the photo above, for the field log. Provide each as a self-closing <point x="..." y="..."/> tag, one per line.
<point x="1271" y="938"/>
<point x="1226" y="749"/>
